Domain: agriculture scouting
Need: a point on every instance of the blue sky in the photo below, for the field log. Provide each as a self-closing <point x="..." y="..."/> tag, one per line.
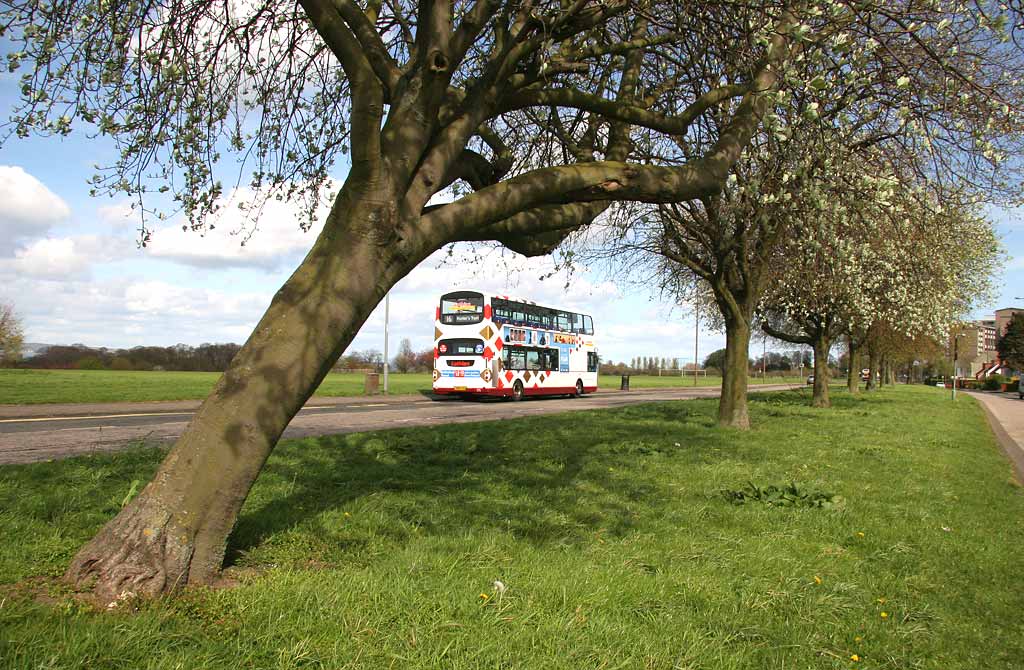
<point x="71" y="267"/>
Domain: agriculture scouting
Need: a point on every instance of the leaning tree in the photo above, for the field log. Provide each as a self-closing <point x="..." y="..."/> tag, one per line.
<point x="531" y="110"/>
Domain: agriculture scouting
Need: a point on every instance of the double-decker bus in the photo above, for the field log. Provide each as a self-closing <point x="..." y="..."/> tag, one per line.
<point x="499" y="346"/>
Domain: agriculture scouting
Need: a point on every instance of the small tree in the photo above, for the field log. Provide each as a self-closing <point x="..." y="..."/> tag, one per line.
<point x="405" y="360"/>
<point x="716" y="359"/>
<point x="11" y="336"/>
<point x="1011" y="344"/>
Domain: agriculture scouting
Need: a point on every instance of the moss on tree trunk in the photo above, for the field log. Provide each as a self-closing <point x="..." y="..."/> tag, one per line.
<point x="822" y="345"/>
<point x="732" y="406"/>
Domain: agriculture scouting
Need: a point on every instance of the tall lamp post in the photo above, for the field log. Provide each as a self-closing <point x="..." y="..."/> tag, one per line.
<point x="696" y="335"/>
<point x="387" y="309"/>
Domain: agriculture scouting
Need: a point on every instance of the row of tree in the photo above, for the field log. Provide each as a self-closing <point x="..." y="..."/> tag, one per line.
<point x="750" y="149"/>
<point x="205" y="357"/>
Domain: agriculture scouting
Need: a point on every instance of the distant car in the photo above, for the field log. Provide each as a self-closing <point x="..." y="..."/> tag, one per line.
<point x="810" y="379"/>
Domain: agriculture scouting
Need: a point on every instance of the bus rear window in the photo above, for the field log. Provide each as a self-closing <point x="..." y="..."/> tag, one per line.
<point x="460" y="347"/>
<point x="462" y="307"/>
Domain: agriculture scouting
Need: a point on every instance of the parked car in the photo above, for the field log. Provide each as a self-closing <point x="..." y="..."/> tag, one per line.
<point x="810" y="379"/>
<point x="1020" y="387"/>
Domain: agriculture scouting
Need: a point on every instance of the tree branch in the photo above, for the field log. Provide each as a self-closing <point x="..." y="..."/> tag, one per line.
<point x="619" y="111"/>
<point x="373" y="49"/>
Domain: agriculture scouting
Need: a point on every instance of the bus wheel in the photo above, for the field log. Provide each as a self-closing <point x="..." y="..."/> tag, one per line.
<point x="579" y="388"/>
<point x="517" y="391"/>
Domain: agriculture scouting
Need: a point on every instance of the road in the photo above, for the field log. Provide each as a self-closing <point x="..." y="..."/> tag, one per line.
<point x="30" y="433"/>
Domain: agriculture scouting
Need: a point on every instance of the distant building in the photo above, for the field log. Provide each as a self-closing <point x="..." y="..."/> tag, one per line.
<point x="974" y="344"/>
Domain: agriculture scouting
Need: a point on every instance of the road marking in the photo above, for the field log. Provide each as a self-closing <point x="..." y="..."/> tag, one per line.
<point x="93" y="416"/>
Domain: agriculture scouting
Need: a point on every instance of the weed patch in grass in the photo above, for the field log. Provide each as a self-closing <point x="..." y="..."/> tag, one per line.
<point x="607" y="530"/>
<point x="787" y="495"/>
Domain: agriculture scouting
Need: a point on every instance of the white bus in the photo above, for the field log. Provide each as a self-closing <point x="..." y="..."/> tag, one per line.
<point x="499" y="346"/>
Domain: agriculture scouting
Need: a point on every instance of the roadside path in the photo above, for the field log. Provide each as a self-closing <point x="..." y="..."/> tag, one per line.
<point x="1005" y="412"/>
<point x="31" y="433"/>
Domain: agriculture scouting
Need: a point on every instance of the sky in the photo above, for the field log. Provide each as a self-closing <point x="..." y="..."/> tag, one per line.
<point x="71" y="267"/>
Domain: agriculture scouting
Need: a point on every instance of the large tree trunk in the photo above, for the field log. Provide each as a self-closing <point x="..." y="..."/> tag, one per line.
<point x="732" y="405"/>
<point x="822" y="345"/>
<point x="853" y="374"/>
<point x="882" y="365"/>
<point x="872" y="369"/>
<point x="175" y="532"/>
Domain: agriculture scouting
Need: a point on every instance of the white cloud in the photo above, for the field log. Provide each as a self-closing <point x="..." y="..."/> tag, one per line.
<point x="27" y="207"/>
<point x="119" y="217"/>
<point x="274" y="242"/>
<point x="126" y="313"/>
<point x="66" y="258"/>
<point x="50" y="258"/>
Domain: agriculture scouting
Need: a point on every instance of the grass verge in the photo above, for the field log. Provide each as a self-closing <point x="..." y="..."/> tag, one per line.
<point x="31" y="387"/>
<point x="611" y="532"/>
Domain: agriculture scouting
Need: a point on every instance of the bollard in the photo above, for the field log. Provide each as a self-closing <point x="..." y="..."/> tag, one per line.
<point x="624" y="385"/>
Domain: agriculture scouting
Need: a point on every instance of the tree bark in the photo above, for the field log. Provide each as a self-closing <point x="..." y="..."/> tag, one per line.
<point x="872" y="369"/>
<point x="822" y="345"/>
<point x="853" y="374"/>
<point x="175" y="532"/>
<point x="732" y="405"/>
<point x="882" y="364"/>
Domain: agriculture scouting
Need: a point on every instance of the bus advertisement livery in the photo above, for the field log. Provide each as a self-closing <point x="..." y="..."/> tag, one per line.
<point x="499" y="346"/>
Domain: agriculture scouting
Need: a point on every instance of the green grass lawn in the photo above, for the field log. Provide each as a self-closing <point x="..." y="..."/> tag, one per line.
<point x="654" y="381"/>
<point x="26" y="387"/>
<point x="609" y="530"/>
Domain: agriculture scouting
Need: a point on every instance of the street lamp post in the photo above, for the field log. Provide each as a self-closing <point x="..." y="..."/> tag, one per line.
<point x="387" y="309"/>
<point x="696" y="335"/>
<point x="956" y="355"/>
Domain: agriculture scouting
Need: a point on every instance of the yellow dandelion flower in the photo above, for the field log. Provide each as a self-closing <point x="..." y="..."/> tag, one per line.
<point x="817" y="579"/>
<point x="485" y="596"/>
<point x="860" y="534"/>
<point x="855" y="657"/>
<point x="347" y="514"/>
<point x="885" y="615"/>
<point x="858" y="639"/>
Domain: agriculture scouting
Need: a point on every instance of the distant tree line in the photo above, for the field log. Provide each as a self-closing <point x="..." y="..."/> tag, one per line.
<point x="204" y="357"/>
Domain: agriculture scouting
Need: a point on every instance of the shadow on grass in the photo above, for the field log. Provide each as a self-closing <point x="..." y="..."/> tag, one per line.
<point x="544" y="479"/>
<point x="556" y="478"/>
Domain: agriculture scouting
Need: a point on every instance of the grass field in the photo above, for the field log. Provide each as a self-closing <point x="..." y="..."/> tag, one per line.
<point x="609" y="530"/>
<point x="24" y="387"/>
<point x="29" y="387"/>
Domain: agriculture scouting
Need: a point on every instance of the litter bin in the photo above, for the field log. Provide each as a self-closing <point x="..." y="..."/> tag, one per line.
<point x="372" y="384"/>
<point x="624" y="385"/>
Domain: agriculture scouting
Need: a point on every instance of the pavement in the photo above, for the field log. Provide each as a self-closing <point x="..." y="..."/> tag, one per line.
<point x="1005" y="412"/>
<point x="30" y="433"/>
